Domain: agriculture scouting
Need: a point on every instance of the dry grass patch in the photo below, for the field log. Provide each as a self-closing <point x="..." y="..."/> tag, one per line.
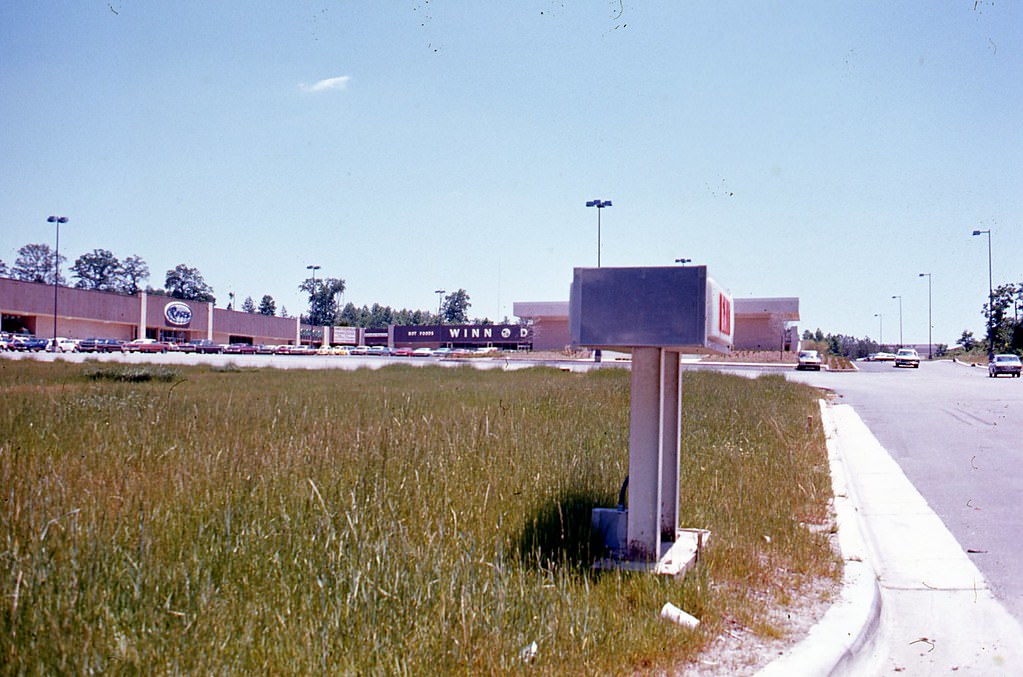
<point x="404" y="520"/>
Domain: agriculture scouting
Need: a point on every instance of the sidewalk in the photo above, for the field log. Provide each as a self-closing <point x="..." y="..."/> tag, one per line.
<point x="912" y="601"/>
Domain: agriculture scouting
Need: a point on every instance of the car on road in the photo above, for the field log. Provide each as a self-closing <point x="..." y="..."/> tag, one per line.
<point x="907" y="357"/>
<point x="809" y="359"/>
<point x="1004" y="364"/>
<point x="881" y="357"/>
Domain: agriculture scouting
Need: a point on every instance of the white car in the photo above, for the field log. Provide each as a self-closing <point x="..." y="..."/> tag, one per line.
<point x="907" y="357"/>
<point x="1004" y="364"/>
<point x="809" y="359"/>
<point x="64" y="345"/>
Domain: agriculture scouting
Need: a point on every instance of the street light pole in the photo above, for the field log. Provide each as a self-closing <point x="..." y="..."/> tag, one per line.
<point x="899" y="297"/>
<point x="314" y="268"/>
<point x="880" y="331"/>
<point x="930" y="323"/>
<point x="56" y="220"/>
<point x="599" y="204"/>
<point x="440" y="303"/>
<point x="990" y="297"/>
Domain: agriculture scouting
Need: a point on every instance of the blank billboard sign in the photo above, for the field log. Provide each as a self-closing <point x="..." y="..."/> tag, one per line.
<point x="679" y="308"/>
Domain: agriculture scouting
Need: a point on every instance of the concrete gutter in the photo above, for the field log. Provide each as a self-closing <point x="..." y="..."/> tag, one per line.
<point x="836" y="644"/>
<point x="912" y="600"/>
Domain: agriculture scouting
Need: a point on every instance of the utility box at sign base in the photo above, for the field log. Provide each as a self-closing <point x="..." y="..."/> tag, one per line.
<point x="656" y="314"/>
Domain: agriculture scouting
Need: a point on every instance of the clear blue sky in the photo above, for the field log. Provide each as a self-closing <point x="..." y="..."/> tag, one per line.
<point x="830" y="151"/>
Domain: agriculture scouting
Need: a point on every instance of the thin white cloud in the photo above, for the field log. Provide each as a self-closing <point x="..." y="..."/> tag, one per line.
<point x="340" y="82"/>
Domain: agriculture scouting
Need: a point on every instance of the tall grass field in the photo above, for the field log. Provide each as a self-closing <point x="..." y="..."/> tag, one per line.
<point x="400" y="521"/>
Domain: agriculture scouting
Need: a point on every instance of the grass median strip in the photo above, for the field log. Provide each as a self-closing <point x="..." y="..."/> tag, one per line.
<point x="401" y="520"/>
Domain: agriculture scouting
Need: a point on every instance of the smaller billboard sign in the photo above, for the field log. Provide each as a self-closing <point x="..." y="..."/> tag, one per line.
<point x="465" y="334"/>
<point x="348" y="336"/>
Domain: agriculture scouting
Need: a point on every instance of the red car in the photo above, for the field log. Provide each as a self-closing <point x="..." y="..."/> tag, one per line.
<point x="146" y="345"/>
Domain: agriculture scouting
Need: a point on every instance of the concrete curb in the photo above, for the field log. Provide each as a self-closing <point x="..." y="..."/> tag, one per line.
<point x="839" y="643"/>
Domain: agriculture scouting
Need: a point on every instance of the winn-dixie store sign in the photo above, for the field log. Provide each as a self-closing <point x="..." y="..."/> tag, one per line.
<point x="481" y="334"/>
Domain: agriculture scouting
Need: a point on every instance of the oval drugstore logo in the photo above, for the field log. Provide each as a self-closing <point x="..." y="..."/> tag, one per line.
<point x="177" y="313"/>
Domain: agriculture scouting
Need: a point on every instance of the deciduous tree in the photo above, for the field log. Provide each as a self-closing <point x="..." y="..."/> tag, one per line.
<point x="323" y="300"/>
<point x="134" y="272"/>
<point x="455" y="308"/>
<point x="35" y="264"/>
<point x="98" y="269"/>
<point x="183" y="282"/>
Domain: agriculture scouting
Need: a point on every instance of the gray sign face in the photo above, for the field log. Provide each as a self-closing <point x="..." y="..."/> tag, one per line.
<point x="640" y="307"/>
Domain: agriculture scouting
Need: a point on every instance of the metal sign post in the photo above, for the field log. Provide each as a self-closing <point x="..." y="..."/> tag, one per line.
<point x="657" y="314"/>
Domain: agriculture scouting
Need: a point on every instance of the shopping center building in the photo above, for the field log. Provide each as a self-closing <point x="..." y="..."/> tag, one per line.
<point x="759" y="323"/>
<point x="32" y="307"/>
<point x="29" y="307"/>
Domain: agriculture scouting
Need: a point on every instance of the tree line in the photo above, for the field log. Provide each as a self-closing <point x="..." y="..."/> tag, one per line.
<point x="1006" y="328"/>
<point x="851" y="346"/>
<point x="101" y="270"/>
<point x="325" y="310"/>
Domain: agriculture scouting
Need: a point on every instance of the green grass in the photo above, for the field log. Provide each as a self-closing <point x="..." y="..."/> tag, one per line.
<point x="407" y="520"/>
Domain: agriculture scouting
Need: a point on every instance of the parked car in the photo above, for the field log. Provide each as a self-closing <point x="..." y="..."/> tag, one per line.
<point x="64" y="345"/>
<point x="100" y="345"/>
<point x="402" y="352"/>
<point x="379" y="351"/>
<point x="359" y="350"/>
<point x="422" y="352"/>
<point x="1004" y="364"/>
<point x="907" y="357"/>
<point x="809" y="360"/>
<point x="239" y="349"/>
<point x="205" y="347"/>
<point x="442" y="352"/>
<point x="146" y="345"/>
<point x="25" y="343"/>
<point x="185" y="347"/>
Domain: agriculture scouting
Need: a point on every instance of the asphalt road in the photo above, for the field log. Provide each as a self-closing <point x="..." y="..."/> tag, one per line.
<point x="958" y="437"/>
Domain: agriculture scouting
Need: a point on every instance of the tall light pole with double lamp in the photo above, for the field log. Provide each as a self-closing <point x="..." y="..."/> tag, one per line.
<point x="313" y="267"/>
<point x="930" y="323"/>
<point x="56" y="220"/>
<point x="990" y="297"/>
<point x="599" y="204"/>
<point x="683" y="262"/>
<point x="880" y="332"/>
<point x="440" y="303"/>
<point x="899" y="297"/>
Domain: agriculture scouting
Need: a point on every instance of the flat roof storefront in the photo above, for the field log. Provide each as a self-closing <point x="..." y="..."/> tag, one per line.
<point x="83" y="313"/>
